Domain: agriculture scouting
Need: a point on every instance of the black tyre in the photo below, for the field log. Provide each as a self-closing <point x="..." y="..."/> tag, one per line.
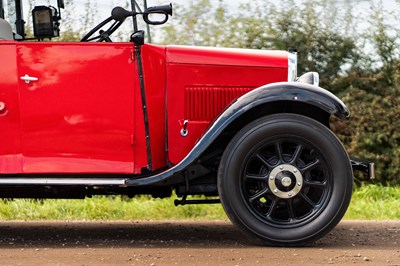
<point x="285" y="180"/>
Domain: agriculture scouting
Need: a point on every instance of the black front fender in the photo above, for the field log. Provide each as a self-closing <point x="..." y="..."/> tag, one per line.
<point x="292" y="92"/>
<point x="276" y="92"/>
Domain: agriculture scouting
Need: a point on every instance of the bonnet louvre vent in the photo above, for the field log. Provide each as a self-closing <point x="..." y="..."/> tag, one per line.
<point x="205" y="103"/>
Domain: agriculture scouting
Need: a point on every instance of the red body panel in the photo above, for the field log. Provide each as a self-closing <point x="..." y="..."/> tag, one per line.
<point x="84" y="113"/>
<point x="226" y="56"/>
<point x="10" y="138"/>
<point x="203" y="81"/>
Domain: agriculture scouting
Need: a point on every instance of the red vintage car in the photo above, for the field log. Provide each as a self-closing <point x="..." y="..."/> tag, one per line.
<point x="98" y="117"/>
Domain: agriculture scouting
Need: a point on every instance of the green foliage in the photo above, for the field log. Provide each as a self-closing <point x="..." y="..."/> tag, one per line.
<point x="283" y="26"/>
<point x="373" y="132"/>
<point x="194" y="25"/>
<point x="322" y="45"/>
<point x="329" y="41"/>
<point x="372" y="93"/>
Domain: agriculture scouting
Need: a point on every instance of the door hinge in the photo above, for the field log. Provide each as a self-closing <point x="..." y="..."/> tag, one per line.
<point x="132" y="140"/>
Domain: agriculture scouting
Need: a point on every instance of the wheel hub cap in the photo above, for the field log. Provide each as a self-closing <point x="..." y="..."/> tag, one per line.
<point x="285" y="181"/>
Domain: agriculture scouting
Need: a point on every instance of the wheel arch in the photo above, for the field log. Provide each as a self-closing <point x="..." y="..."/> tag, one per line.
<point x="285" y="97"/>
<point x="276" y="107"/>
<point x="296" y="98"/>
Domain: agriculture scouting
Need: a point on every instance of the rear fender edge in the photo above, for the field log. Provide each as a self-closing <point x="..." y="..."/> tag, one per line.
<point x="276" y="92"/>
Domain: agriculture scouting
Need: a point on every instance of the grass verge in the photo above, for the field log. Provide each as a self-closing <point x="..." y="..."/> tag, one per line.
<point x="106" y="208"/>
<point x="374" y="202"/>
<point x="370" y="202"/>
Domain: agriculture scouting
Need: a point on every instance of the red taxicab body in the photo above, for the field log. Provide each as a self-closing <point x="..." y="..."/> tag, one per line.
<point x="84" y="113"/>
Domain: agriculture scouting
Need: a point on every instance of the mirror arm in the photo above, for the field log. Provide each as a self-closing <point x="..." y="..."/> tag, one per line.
<point x="147" y="25"/>
<point x="134" y="20"/>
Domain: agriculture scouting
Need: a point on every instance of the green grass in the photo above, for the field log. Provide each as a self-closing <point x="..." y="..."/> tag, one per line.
<point x="369" y="202"/>
<point x="106" y="208"/>
<point x="374" y="202"/>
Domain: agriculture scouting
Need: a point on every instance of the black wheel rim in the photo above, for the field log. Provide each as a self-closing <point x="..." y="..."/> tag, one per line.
<point x="286" y="182"/>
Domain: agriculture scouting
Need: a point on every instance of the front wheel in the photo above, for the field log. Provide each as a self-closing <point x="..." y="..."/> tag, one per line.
<point x="285" y="180"/>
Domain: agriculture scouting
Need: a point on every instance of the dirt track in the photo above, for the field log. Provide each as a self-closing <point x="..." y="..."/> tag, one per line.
<point x="187" y="243"/>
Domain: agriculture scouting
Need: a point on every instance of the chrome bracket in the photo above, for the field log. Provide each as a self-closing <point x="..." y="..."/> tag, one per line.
<point x="184" y="131"/>
<point x="2" y="107"/>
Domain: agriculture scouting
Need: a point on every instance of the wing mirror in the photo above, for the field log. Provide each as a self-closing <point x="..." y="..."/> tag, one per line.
<point x="157" y="15"/>
<point x="46" y="21"/>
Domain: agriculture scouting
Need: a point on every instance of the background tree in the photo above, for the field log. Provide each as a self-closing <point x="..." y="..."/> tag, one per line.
<point x="321" y="47"/>
<point x="373" y="95"/>
<point x="360" y="65"/>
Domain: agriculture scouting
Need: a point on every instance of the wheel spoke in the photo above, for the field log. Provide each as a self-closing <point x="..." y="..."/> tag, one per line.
<point x="272" y="208"/>
<point x="291" y="212"/>
<point x="310" y="166"/>
<point x="258" y="195"/>
<point x="264" y="161"/>
<point x="315" y="184"/>
<point x="296" y="154"/>
<point x="308" y="200"/>
<point x="279" y="151"/>
<point x="255" y="177"/>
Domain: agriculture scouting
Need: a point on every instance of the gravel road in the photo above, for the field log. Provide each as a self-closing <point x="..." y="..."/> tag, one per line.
<point x="187" y="243"/>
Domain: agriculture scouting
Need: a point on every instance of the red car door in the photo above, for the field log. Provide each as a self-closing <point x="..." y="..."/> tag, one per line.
<point x="77" y="107"/>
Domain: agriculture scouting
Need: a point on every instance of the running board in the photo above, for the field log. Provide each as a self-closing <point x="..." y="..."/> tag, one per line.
<point x="63" y="181"/>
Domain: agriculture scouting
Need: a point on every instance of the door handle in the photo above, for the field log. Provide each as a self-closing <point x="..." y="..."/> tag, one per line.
<point x="28" y="79"/>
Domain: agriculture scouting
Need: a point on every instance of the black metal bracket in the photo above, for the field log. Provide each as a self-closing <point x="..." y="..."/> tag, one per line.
<point x="364" y="166"/>
<point x="185" y="201"/>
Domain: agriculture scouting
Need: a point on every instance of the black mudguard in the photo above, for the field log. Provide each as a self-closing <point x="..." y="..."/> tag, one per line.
<point x="285" y="91"/>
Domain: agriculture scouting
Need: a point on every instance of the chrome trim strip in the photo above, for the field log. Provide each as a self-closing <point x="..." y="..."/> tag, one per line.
<point x="62" y="181"/>
<point x="292" y="66"/>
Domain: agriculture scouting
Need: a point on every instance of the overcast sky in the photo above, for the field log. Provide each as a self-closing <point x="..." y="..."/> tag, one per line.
<point x="105" y="6"/>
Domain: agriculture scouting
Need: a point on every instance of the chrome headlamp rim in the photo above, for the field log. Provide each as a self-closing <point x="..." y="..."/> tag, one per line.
<point x="292" y="66"/>
<point x="309" y="78"/>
